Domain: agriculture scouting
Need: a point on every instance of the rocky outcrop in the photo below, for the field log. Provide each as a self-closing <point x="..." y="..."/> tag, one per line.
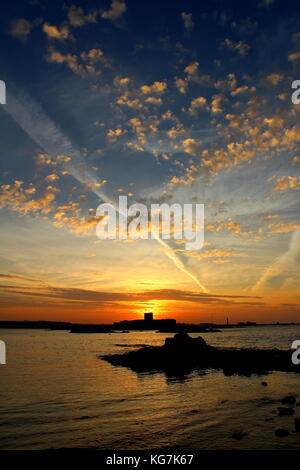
<point x="182" y="353"/>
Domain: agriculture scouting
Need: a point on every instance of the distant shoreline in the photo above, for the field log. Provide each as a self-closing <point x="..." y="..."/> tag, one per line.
<point x="110" y="328"/>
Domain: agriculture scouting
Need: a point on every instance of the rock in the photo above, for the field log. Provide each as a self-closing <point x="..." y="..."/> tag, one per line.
<point x="285" y="411"/>
<point x="239" y="435"/>
<point x="183" y="341"/>
<point x="264" y="384"/>
<point x="194" y="411"/>
<point x="297" y="424"/>
<point x="281" y="432"/>
<point x="288" y="400"/>
<point x="182" y="354"/>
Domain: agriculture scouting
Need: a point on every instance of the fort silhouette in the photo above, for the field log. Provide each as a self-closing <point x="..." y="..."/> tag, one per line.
<point x="148" y="323"/>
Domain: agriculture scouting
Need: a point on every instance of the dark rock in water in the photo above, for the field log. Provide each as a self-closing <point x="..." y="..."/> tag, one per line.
<point x="288" y="400"/>
<point x="239" y="435"/>
<point x="281" y="432"/>
<point x="264" y="384"/>
<point x="195" y="411"/>
<point x="297" y="424"/>
<point x="285" y="411"/>
<point x="182" y="354"/>
<point x="183" y="341"/>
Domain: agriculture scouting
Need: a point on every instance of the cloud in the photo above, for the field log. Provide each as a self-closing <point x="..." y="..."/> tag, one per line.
<point x="83" y="65"/>
<point x="188" y="23"/>
<point x="246" y="25"/>
<point x="70" y="219"/>
<point x="19" y="199"/>
<point x="216" y="104"/>
<point x="274" y="78"/>
<point x="181" y="84"/>
<point x="53" y="32"/>
<point x="117" y="10"/>
<point x="197" y="104"/>
<point x="229" y="225"/>
<point x="45" y="159"/>
<point x="139" y="98"/>
<point x="20" y="28"/>
<point x="156" y="87"/>
<point x="17" y="277"/>
<point x="70" y="60"/>
<point x="114" y="135"/>
<point x="216" y="255"/>
<point x="77" y="18"/>
<point x="191" y="146"/>
<point x="283" y="227"/>
<point x="51" y="178"/>
<point x="240" y="47"/>
<point x="265" y="3"/>
<point x="287" y="182"/>
<point x="101" y="298"/>
<point x="227" y="84"/>
<point x="243" y="90"/>
<point x="294" y="56"/>
<point x="25" y="201"/>
<point x="192" y="75"/>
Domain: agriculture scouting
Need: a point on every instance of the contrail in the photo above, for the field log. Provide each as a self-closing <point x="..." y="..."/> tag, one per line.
<point x="34" y="121"/>
<point x="282" y="265"/>
<point x="178" y="263"/>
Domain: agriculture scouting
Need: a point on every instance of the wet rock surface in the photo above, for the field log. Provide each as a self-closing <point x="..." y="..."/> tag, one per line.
<point x="281" y="432"/>
<point x="239" y="435"/>
<point x="288" y="400"/>
<point x="297" y="424"/>
<point x="285" y="411"/>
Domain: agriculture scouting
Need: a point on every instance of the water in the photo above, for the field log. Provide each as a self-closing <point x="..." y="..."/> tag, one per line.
<point x="55" y="393"/>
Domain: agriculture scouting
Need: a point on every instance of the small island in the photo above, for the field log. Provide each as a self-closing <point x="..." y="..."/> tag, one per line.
<point x="182" y="354"/>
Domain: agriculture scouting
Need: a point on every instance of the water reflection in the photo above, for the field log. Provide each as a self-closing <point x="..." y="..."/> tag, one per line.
<point x="55" y="397"/>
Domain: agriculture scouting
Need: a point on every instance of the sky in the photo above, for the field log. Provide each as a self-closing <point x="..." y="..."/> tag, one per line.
<point x="163" y="102"/>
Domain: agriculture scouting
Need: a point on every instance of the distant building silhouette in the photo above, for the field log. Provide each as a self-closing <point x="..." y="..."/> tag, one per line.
<point x="148" y="323"/>
<point x="148" y="316"/>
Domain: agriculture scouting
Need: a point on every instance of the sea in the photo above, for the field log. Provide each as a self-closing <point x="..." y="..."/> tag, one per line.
<point x="56" y="393"/>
